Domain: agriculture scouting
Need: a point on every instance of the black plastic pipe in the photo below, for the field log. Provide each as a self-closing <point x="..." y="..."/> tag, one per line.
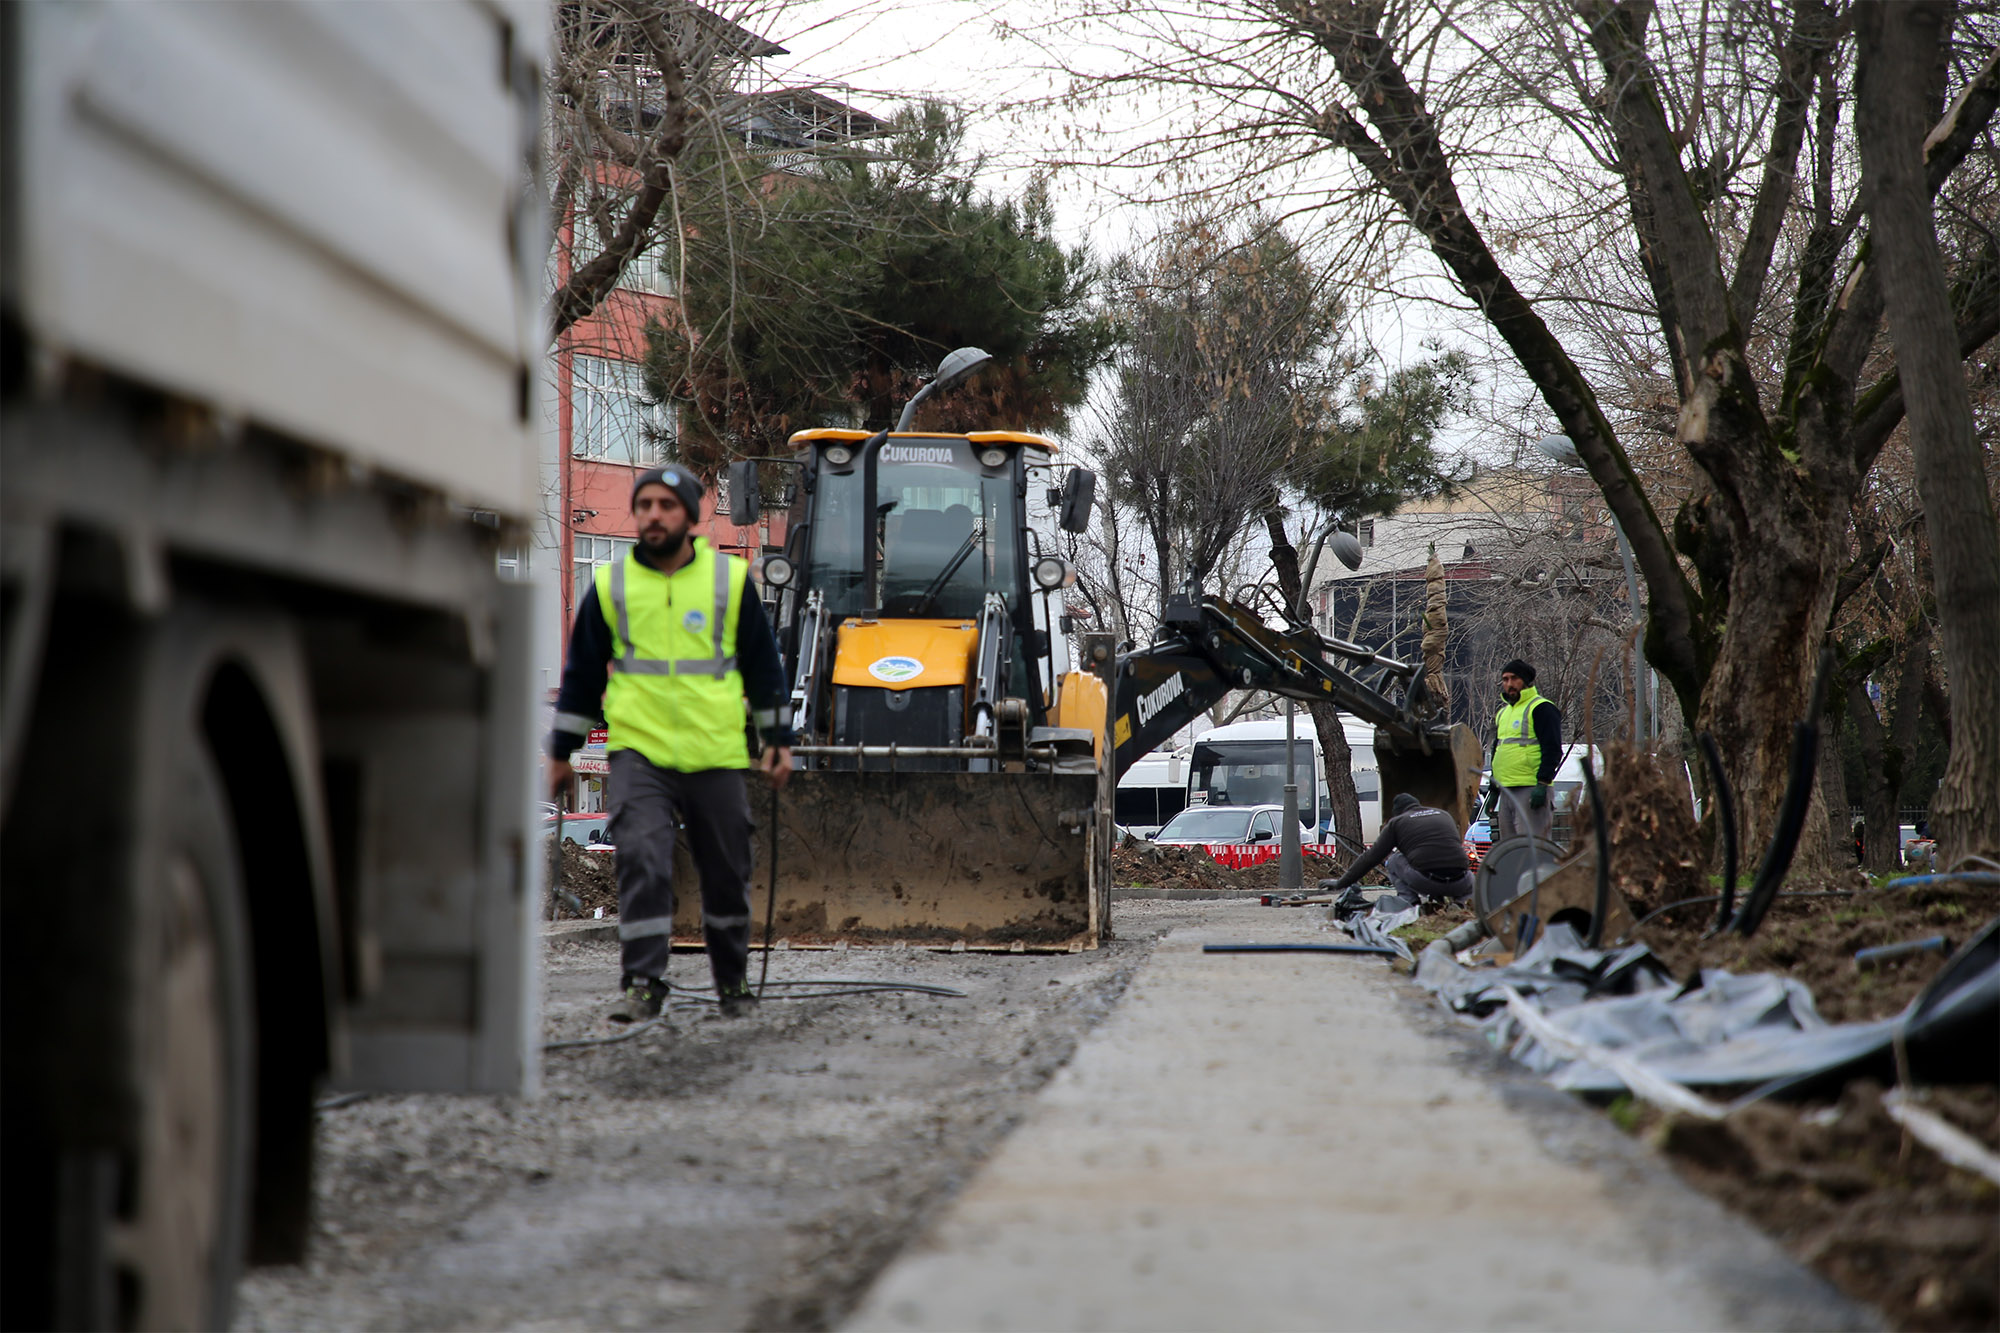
<point x="1602" y="903"/>
<point x="1300" y="948"/>
<point x="1725" y="804"/>
<point x="1792" y="811"/>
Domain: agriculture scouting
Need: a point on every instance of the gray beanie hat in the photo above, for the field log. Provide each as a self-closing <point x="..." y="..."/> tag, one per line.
<point x="677" y="479"/>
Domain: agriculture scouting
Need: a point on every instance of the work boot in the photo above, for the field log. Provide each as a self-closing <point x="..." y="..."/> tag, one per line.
<point x="640" y="1000"/>
<point x="736" y="999"/>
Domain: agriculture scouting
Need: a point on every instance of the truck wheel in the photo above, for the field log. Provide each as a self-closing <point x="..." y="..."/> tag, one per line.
<point x="175" y="1241"/>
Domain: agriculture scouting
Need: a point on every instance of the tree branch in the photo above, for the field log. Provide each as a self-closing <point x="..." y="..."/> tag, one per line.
<point x="1411" y="167"/>
<point x="1804" y="54"/>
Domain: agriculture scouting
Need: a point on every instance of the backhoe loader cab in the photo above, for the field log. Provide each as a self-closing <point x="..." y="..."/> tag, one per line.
<point x="913" y="593"/>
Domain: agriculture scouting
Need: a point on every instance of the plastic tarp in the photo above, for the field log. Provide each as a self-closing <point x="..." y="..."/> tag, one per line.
<point x="1758" y="1032"/>
<point x="1388" y="913"/>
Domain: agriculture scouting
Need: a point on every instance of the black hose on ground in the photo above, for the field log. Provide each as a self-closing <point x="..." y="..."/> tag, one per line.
<point x="1792" y="811"/>
<point x="1602" y="903"/>
<point x="1725" y="805"/>
<point x="770" y="903"/>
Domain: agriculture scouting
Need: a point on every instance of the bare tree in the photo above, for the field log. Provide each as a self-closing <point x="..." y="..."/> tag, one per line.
<point x="1901" y="45"/>
<point x="1709" y="154"/>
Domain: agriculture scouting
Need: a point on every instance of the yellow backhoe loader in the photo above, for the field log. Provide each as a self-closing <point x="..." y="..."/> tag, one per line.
<point x="956" y="776"/>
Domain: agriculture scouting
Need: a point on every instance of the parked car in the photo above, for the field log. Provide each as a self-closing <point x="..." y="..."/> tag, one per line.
<point x="585" y="830"/>
<point x="1226" y="825"/>
<point x="1478" y="840"/>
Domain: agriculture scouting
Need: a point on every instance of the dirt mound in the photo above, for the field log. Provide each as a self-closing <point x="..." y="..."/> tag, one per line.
<point x="1885" y="1219"/>
<point x="1147" y="865"/>
<point x="588" y="875"/>
<point x="1655" y="853"/>
<point x="1815" y="939"/>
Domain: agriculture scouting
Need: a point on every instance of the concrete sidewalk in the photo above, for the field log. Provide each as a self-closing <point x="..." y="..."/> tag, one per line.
<point x="1302" y="1141"/>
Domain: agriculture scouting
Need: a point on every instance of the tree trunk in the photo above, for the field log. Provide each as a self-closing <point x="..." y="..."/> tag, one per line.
<point x="1899" y="47"/>
<point x="1335" y="753"/>
<point x="1833" y="791"/>
<point x="1778" y="607"/>
<point x="1879" y="843"/>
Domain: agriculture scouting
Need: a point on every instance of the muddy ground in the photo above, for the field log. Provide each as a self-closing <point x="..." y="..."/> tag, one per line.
<point x="1878" y="1214"/>
<point x="754" y="1173"/>
<point x="775" y="1165"/>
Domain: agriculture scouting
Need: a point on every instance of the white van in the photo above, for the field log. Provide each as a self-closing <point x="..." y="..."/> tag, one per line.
<point x="1153" y="791"/>
<point x="1244" y="764"/>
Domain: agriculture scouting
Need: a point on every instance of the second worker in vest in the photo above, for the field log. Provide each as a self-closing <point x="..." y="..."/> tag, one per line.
<point x="1527" y="747"/>
<point x="673" y="639"/>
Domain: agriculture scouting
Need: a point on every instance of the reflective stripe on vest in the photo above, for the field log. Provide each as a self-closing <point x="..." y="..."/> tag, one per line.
<point x="675" y="693"/>
<point x="1517" y="755"/>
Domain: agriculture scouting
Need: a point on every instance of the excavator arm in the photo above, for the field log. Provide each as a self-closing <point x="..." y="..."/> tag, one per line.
<point x="1213" y="646"/>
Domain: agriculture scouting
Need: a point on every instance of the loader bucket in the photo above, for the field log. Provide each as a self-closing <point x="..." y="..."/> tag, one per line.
<point x="1005" y="861"/>
<point x="1446" y="778"/>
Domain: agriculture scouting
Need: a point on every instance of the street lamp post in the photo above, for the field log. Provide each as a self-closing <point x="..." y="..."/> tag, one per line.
<point x="1563" y="450"/>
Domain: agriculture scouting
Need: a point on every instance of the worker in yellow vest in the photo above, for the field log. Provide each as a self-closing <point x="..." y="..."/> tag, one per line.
<point x="1527" y="746"/>
<point x="672" y="639"/>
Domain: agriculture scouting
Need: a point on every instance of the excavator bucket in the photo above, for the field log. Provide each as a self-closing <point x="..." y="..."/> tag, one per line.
<point x="1442" y="774"/>
<point x="991" y="861"/>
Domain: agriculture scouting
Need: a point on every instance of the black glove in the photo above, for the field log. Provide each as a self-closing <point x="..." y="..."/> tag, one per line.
<point x="1539" y="797"/>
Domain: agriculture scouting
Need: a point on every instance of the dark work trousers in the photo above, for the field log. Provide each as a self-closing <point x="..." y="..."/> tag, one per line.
<point x="714" y="807"/>
<point x="1423" y="884"/>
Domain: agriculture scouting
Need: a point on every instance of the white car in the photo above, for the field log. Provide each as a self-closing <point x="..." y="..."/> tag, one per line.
<point x="1210" y="825"/>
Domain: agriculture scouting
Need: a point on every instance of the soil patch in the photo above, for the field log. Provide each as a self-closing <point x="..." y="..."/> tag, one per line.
<point x="1881" y="1216"/>
<point x="589" y="875"/>
<point x="1815" y="939"/>
<point x="1649" y="820"/>
<point x="1147" y="865"/>
<point x="1878" y="1214"/>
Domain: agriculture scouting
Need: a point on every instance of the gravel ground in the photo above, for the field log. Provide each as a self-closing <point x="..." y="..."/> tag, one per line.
<point x="710" y="1175"/>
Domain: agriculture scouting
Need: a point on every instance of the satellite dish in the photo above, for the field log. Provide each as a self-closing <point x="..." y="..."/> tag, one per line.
<point x="1345" y="549"/>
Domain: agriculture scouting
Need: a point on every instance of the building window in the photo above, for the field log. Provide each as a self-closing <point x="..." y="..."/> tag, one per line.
<point x="587" y="554"/>
<point x="613" y="421"/>
<point x="1362" y="530"/>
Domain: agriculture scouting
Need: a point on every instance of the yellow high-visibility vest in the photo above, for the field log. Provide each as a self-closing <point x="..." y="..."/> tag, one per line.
<point x="675" y="694"/>
<point x="1516" y="755"/>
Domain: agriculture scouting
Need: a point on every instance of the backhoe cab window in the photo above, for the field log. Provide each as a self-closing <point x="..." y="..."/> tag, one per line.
<point x="945" y="533"/>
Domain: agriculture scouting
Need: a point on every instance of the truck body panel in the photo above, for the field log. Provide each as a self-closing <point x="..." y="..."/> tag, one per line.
<point x="310" y="217"/>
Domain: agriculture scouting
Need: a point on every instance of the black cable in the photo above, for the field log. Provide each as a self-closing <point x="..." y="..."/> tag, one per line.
<point x="1602" y="902"/>
<point x="1792" y="811"/>
<point x="771" y="903"/>
<point x="1725" y="803"/>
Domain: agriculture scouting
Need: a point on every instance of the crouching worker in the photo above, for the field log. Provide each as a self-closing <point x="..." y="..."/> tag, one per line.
<point x="1420" y="849"/>
<point x="672" y="638"/>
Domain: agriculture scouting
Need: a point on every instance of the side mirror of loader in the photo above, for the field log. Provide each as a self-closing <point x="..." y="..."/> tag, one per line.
<point x="1077" y="493"/>
<point x="743" y="496"/>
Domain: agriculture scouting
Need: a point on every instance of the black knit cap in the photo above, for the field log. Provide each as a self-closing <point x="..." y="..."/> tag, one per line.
<point x="676" y="479"/>
<point x="1519" y="668"/>
<point x="1404" y="801"/>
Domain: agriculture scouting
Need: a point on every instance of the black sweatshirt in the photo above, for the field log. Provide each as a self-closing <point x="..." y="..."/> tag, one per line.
<point x="588" y="670"/>
<point x="1429" y="840"/>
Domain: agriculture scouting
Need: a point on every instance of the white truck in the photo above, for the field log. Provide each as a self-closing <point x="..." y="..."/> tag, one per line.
<point x="270" y="284"/>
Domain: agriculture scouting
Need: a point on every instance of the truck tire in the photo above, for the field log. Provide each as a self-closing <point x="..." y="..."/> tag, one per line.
<point x="129" y="1006"/>
<point x="176" y="1244"/>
